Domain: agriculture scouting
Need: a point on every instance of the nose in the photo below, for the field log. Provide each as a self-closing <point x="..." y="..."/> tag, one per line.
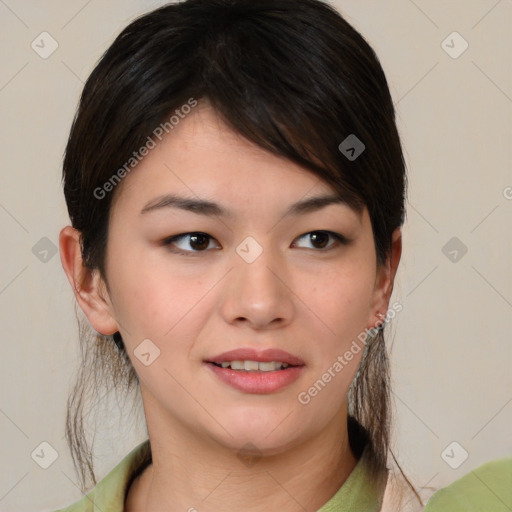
<point x="259" y="293"/>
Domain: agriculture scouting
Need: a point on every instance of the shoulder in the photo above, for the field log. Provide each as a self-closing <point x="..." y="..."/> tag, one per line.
<point x="109" y="493"/>
<point x="488" y="487"/>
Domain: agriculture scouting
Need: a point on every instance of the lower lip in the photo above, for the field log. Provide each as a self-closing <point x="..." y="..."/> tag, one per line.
<point x="257" y="382"/>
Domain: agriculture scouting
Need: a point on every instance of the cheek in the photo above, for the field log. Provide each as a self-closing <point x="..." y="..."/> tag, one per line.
<point x="341" y="302"/>
<point x="139" y="295"/>
<point x="341" y="299"/>
<point x="158" y="301"/>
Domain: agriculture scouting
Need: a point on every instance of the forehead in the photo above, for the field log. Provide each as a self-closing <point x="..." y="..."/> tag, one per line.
<point x="203" y="159"/>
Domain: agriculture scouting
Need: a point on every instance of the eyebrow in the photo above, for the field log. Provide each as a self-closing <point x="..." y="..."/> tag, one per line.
<point x="209" y="208"/>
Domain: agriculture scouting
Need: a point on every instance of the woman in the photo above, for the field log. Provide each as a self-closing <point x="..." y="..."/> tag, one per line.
<point x="236" y="186"/>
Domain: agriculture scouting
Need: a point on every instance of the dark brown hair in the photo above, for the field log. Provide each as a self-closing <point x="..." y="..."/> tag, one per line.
<point x="293" y="77"/>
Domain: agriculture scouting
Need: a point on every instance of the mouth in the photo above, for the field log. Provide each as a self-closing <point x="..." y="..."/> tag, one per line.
<point x="256" y="372"/>
<point x="254" y="366"/>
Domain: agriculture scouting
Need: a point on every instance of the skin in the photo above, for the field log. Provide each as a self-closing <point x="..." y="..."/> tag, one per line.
<point x="296" y="296"/>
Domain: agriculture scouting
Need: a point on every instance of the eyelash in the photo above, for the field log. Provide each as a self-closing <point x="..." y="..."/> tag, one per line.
<point x="167" y="242"/>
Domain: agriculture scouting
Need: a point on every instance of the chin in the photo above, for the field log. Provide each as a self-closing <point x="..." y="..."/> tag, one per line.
<point x="268" y="434"/>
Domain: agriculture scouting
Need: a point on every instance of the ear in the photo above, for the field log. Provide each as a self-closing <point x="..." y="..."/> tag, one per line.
<point x="89" y="288"/>
<point x="384" y="281"/>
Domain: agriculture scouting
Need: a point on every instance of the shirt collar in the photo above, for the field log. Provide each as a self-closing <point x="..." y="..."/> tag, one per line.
<point x="358" y="492"/>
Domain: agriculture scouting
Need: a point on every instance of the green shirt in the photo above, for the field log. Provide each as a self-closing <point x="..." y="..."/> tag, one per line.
<point x="488" y="488"/>
<point x="358" y="492"/>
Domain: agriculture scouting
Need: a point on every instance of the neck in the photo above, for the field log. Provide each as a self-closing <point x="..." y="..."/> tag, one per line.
<point x="192" y="474"/>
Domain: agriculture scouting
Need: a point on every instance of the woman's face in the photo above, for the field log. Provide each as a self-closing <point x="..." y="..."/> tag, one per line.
<point x="261" y="274"/>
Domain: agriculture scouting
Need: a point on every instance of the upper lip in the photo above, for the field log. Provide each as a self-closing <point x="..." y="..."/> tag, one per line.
<point x="262" y="356"/>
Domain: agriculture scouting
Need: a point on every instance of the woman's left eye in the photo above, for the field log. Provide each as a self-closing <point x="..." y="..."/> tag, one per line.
<point x="320" y="238"/>
<point x="200" y="242"/>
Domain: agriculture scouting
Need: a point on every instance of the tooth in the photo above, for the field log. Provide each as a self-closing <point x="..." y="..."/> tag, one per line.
<point x="251" y="365"/>
<point x="254" y="365"/>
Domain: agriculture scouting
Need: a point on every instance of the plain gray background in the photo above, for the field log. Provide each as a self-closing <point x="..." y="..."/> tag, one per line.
<point x="451" y="356"/>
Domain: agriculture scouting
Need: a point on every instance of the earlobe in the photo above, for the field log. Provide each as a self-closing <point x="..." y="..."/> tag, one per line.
<point x="88" y="285"/>
<point x="385" y="280"/>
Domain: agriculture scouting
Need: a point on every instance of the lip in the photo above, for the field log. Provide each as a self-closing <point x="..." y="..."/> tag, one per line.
<point x="264" y="356"/>
<point x="257" y="382"/>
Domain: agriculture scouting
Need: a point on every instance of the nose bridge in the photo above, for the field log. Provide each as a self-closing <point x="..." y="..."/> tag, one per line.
<point x="256" y="291"/>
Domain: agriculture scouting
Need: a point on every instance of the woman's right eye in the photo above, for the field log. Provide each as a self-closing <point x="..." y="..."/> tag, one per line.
<point x="197" y="240"/>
